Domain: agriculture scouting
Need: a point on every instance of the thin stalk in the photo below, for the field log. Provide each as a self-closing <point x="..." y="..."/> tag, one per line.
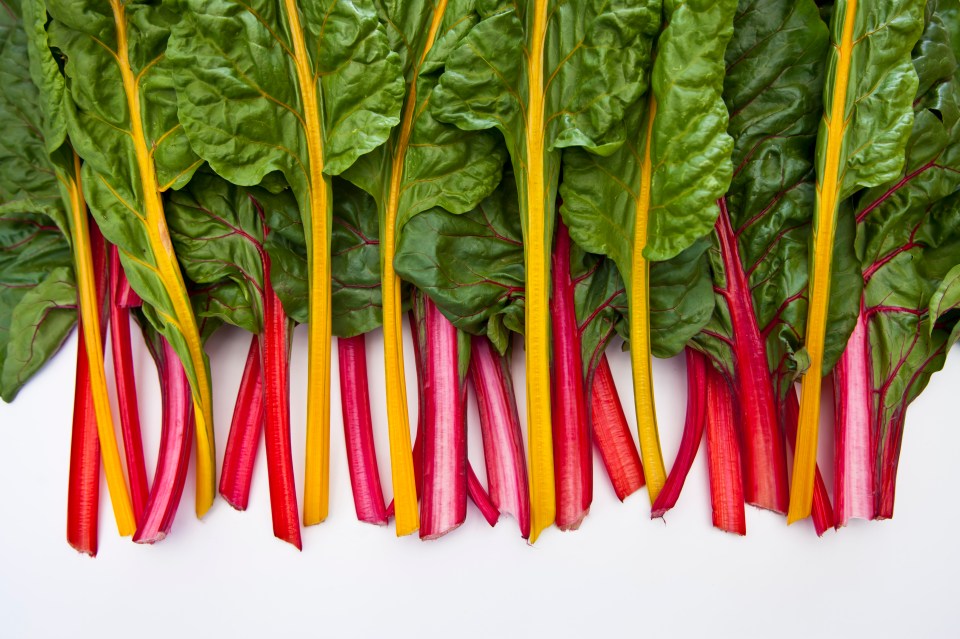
<point x="83" y="496"/>
<point x="693" y="428"/>
<point x="500" y="430"/>
<point x="444" y="505"/>
<point x="723" y="455"/>
<point x="122" y="298"/>
<point x="764" y="454"/>
<point x="276" y="428"/>
<point x="236" y="472"/>
<point x="480" y="498"/>
<point x="822" y="511"/>
<point x="176" y="435"/>
<point x="573" y="464"/>
<point x="888" y="460"/>
<point x="611" y="433"/>
<point x="358" y="431"/>
<point x="854" y="458"/>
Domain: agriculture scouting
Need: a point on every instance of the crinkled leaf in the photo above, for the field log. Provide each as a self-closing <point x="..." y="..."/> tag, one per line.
<point x="355" y="262"/>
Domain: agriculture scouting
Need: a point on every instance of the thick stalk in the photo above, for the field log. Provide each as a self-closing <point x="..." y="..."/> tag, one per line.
<point x="90" y="311"/>
<point x="317" y="222"/>
<point x="83" y="493"/>
<point x="176" y="434"/>
<point x="822" y="511"/>
<point x="693" y="428"/>
<point x="121" y="297"/>
<point x="276" y="426"/>
<point x="444" y="505"/>
<point x="723" y="455"/>
<point x="538" y="217"/>
<point x="500" y="430"/>
<point x="824" y="227"/>
<point x="572" y="460"/>
<point x="236" y="473"/>
<point x="611" y="433"/>
<point x="358" y="431"/>
<point x="854" y="458"/>
<point x="639" y="294"/>
<point x="764" y="454"/>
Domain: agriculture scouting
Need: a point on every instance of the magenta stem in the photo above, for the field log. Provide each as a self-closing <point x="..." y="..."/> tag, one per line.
<point x="246" y="428"/>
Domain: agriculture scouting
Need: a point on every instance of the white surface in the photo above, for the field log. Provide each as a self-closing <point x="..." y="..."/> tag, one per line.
<point x="620" y="575"/>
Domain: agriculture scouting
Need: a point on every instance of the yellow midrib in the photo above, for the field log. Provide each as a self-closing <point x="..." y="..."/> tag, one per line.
<point x="401" y="455"/>
<point x="316" y="488"/>
<point x="169" y="270"/>
<point x="653" y="468"/>
<point x="93" y="343"/>
<point x="537" y="327"/>
<point x="805" y="459"/>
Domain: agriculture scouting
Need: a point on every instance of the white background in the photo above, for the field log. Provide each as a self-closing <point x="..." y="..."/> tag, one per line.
<point x="620" y="575"/>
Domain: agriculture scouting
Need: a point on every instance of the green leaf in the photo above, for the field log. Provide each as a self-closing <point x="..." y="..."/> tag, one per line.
<point x="40" y="323"/>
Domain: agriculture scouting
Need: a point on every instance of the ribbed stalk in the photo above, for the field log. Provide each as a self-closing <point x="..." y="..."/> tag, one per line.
<point x="723" y="455"/>
<point x="611" y="433"/>
<point x="572" y="460"/>
<point x="236" y="472"/>
<point x="358" y="431"/>
<point x="693" y="428"/>
<point x="822" y="511"/>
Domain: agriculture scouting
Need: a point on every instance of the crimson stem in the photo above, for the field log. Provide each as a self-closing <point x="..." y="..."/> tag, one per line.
<point x="764" y="453"/>
<point x="500" y="430"/>
<point x="693" y="428"/>
<point x="723" y="456"/>
<point x="83" y="492"/>
<point x="122" y="298"/>
<point x="573" y="464"/>
<point x="611" y="433"/>
<point x="444" y="501"/>
<point x="358" y="431"/>
<point x="236" y="473"/>
<point x="176" y="436"/>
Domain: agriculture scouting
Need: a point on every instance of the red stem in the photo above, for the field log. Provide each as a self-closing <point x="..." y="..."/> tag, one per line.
<point x="573" y="465"/>
<point x="358" y="431"/>
<point x="693" y="428"/>
<point x="889" y="460"/>
<point x="611" y="433"/>
<point x="480" y="497"/>
<point x="500" y="430"/>
<point x="764" y="454"/>
<point x="854" y="456"/>
<point x="83" y="492"/>
<point x="176" y="437"/>
<point x="276" y="374"/>
<point x="822" y="512"/>
<point x="237" y="470"/>
<point x="444" y="503"/>
<point x="723" y="456"/>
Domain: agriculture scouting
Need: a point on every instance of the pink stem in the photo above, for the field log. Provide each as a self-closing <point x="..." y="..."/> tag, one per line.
<point x="573" y="463"/>
<point x="853" y="487"/>
<point x="764" y="454"/>
<point x="176" y="436"/>
<point x="723" y="455"/>
<point x="480" y="498"/>
<point x="245" y="431"/>
<point x="693" y="429"/>
<point x="444" y="502"/>
<point x="611" y="433"/>
<point x="358" y="431"/>
<point x="500" y="429"/>
<point x="822" y="512"/>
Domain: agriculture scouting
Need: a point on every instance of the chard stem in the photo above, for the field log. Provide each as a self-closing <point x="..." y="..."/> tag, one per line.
<point x="611" y="433"/>
<point x="723" y="455"/>
<point x="236" y="473"/>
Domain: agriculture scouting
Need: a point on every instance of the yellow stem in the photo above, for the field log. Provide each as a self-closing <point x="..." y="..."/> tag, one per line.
<point x="93" y="343"/>
<point x="543" y="506"/>
<point x="825" y="216"/>
<point x="316" y="488"/>
<point x="653" y="469"/>
<point x="169" y="270"/>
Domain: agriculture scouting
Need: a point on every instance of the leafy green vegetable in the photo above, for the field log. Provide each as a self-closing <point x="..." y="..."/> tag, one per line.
<point x="657" y="195"/>
<point x="303" y="91"/>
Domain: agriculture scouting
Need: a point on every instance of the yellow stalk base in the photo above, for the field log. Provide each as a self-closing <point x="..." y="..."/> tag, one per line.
<point x="168" y="271"/>
<point x="543" y="506"/>
<point x="316" y="488"/>
<point x="828" y="190"/>
<point x="93" y="343"/>
<point x="653" y="468"/>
